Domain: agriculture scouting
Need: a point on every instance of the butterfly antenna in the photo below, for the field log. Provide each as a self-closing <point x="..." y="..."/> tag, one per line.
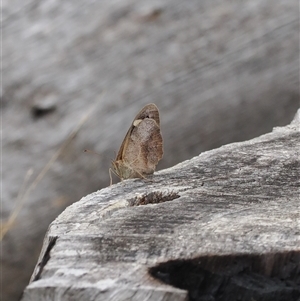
<point x="92" y="152"/>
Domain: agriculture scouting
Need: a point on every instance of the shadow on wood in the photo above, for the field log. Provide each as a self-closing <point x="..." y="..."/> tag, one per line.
<point x="271" y="276"/>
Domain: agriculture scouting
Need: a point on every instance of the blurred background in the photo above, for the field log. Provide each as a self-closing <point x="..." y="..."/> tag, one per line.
<point x="219" y="71"/>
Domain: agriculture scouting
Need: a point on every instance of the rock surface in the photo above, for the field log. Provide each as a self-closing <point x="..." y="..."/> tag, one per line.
<point x="219" y="72"/>
<point x="222" y="226"/>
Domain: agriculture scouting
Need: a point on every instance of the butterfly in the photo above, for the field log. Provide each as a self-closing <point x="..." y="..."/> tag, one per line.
<point x="141" y="148"/>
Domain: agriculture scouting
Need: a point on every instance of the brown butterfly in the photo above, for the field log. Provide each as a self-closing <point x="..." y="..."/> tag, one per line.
<point x="142" y="146"/>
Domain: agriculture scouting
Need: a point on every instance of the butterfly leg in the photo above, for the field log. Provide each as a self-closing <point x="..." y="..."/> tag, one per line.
<point x="110" y="177"/>
<point x="110" y="171"/>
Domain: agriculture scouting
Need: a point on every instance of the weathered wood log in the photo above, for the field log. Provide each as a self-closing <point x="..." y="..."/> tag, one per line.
<point x="219" y="71"/>
<point x="222" y="226"/>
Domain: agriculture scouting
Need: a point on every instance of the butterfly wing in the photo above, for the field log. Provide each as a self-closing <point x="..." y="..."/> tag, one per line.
<point x="145" y="147"/>
<point x="148" y="111"/>
<point x="142" y="146"/>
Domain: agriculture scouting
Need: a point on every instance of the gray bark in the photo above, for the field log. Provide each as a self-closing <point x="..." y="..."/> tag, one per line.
<point x="224" y="225"/>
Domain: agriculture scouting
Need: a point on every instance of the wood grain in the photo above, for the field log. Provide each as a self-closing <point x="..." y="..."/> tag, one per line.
<point x="219" y="71"/>
<point x="223" y="224"/>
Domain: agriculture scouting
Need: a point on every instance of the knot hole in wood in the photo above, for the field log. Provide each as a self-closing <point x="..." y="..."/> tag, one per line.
<point x="154" y="197"/>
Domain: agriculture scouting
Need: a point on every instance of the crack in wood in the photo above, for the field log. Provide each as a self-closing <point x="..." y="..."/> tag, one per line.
<point x="46" y="257"/>
<point x="154" y="197"/>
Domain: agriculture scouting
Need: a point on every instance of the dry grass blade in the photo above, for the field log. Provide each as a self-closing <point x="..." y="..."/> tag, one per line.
<point x="23" y="195"/>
